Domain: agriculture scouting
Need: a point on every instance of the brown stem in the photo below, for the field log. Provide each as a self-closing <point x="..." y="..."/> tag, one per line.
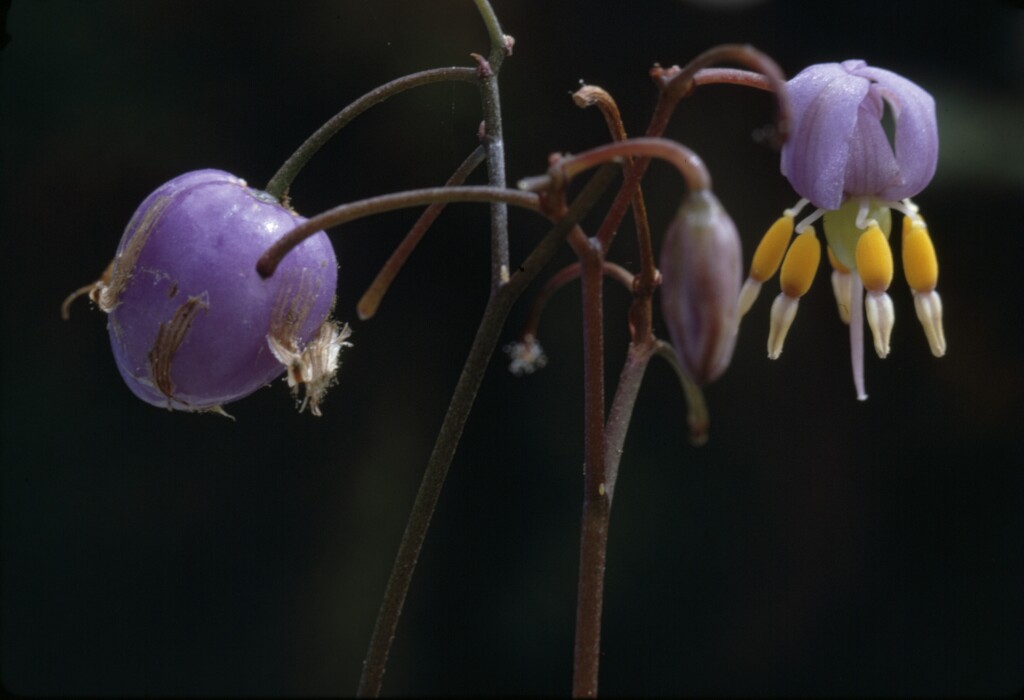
<point x="688" y="163"/>
<point x="675" y="84"/>
<point x="591" y="95"/>
<point x="560" y="279"/>
<point x="621" y="410"/>
<point x="732" y="76"/>
<point x="273" y="255"/>
<point x="451" y="430"/>
<point x="370" y="301"/>
<point x="596" y="506"/>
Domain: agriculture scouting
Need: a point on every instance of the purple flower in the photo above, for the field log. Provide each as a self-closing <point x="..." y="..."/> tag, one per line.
<point x="839" y="159"/>
<point x="837" y="147"/>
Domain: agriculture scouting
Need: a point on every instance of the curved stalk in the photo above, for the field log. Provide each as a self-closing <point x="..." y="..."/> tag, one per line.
<point x="688" y="163"/>
<point x="560" y="279"/>
<point x="429" y="492"/>
<point x="370" y="301"/>
<point x="344" y="213"/>
<point x="282" y="179"/>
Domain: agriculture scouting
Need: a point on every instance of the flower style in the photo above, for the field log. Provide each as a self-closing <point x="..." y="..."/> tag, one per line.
<point x="839" y="159"/>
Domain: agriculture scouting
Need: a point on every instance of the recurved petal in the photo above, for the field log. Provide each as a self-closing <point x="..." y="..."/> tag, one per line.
<point x="825" y="101"/>
<point x="917" y="133"/>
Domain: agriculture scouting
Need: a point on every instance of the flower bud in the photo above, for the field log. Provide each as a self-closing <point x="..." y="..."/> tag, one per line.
<point x="701" y="267"/>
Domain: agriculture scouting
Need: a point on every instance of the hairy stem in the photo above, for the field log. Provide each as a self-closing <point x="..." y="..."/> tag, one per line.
<point x="560" y="279"/>
<point x="596" y="505"/>
<point x="621" y="411"/>
<point x="494" y="139"/>
<point x="462" y="401"/>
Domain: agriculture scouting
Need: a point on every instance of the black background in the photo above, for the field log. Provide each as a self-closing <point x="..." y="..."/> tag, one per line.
<point x="816" y="545"/>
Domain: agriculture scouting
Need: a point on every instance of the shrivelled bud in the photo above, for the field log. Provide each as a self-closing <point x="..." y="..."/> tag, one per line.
<point x="701" y="268"/>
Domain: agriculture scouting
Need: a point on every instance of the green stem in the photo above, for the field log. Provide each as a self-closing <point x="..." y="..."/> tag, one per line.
<point x="494" y="140"/>
<point x="282" y="179"/>
<point x="483" y="346"/>
<point x="499" y="47"/>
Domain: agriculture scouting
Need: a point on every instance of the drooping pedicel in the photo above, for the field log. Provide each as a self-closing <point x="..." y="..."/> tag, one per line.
<point x="192" y="324"/>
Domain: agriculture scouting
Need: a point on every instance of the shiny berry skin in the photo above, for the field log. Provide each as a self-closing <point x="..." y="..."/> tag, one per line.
<point x="190" y="319"/>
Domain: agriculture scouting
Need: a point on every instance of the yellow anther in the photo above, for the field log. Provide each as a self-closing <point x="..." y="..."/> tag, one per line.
<point x="834" y="261"/>
<point x="919" y="262"/>
<point x="911" y="222"/>
<point x="874" y="259"/>
<point x="800" y="264"/>
<point x="771" y="249"/>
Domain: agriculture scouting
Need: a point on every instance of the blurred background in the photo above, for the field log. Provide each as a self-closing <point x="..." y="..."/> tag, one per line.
<point x="816" y="545"/>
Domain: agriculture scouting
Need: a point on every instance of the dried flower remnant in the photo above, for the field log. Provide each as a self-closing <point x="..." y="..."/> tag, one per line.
<point x="839" y="159"/>
<point x="313" y="365"/>
<point x="526" y="355"/>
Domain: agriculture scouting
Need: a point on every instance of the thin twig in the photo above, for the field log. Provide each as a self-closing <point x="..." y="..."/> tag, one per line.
<point x="344" y="213"/>
<point x="370" y="301"/>
<point x="282" y="179"/>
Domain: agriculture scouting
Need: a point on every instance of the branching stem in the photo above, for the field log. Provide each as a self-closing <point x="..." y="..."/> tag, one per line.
<point x="462" y="401"/>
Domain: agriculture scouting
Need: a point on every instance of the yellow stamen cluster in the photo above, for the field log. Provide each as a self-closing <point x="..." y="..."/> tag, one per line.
<point x="864" y="248"/>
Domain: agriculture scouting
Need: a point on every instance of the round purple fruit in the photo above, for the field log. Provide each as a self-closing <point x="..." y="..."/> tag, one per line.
<point x="192" y="324"/>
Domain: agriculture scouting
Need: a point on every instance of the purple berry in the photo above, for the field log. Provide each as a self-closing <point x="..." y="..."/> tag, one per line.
<point x="192" y="324"/>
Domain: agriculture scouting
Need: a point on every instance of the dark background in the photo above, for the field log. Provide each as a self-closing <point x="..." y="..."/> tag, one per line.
<point x="816" y="545"/>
